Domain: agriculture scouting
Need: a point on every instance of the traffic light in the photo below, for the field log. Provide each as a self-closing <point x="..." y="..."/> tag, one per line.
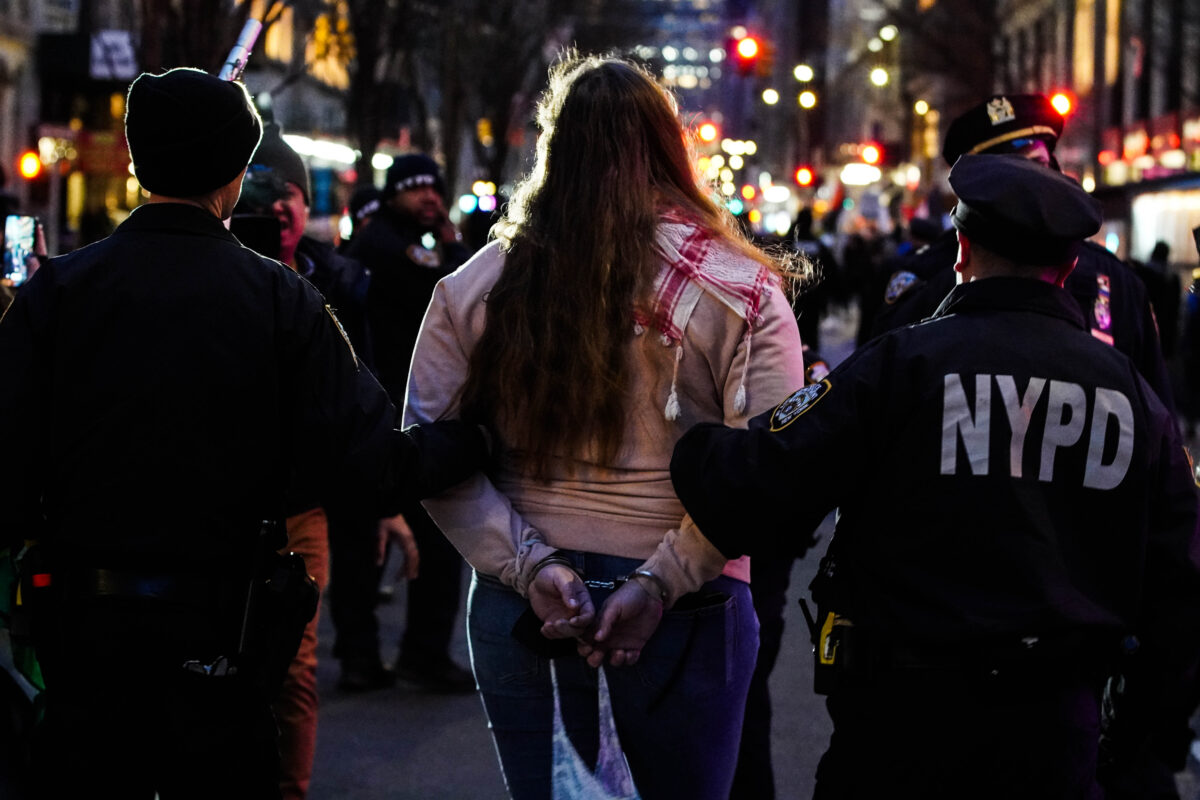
<point x="747" y="52"/>
<point x="805" y="176"/>
<point x="1062" y="103"/>
<point x="35" y="176"/>
<point x="29" y="166"/>
<point x="872" y="153"/>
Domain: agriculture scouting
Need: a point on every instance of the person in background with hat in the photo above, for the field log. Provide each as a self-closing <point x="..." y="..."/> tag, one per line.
<point x="281" y="189"/>
<point x="1110" y="295"/>
<point x="364" y="204"/>
<point x="409" y="246"/>
<point x="1015" y="511"/>
<point x="170" y="384"/>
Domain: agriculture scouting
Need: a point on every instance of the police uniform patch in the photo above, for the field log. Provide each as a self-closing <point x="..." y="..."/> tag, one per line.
<point x="900" y="283"/>
<point x="423" y="257"/>
<point x="800" y="402"/>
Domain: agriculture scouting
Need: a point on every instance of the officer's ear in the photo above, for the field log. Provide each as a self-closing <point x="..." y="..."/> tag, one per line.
<point x="1060" y="276"/>
<point x="963" y="263"/>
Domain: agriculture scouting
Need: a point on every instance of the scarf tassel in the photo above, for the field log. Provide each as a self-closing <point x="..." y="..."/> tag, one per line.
<point x="671" y="412"/>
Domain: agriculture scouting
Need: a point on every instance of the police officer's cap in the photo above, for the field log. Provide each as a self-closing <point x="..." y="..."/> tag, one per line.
<point x="1001" y="123"/>
<point x="189" y="132"/>
<point x="1021" y="210"/>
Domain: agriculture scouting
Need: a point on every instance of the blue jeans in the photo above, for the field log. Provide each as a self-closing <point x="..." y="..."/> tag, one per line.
<point x="678" y="710"/>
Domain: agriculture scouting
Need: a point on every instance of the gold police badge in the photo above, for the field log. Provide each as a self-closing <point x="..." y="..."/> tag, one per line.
<point x="1000" y="111"/>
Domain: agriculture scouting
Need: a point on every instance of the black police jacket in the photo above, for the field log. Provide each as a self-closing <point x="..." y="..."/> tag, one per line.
<point x="161" y="387"/>
<point x="997" y="471"/>
<point x="1110" y="295"/>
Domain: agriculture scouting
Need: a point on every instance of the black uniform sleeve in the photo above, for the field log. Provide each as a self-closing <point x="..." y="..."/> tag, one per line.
<point x="440" y="455"/>
<point x="1152" y="704"/>
<point x="345" y="426"/>
<point x="750" y="490"/>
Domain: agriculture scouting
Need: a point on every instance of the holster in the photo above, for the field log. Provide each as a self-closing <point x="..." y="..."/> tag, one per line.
<point x="282" y="600"/>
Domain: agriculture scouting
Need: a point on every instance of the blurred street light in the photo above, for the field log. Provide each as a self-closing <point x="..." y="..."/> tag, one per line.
<point x="888" y="32"/>
<point x="807" y="99"/>
<point x="879" y="76"/>
<point x="921" y="107"/>
<point x="770" y="96"/>
<point x="29" y="165"/>
<point x="803" y="73"/>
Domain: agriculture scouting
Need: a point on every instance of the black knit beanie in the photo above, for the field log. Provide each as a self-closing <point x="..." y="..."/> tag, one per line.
<point x="410" y="171"/>
<point x="189" y="132"/>
<point x="277" y="154"/>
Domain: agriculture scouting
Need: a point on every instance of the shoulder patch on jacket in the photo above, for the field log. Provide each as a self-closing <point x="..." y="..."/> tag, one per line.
<point x="900" y="283"/>
<point x="800" y="402"/>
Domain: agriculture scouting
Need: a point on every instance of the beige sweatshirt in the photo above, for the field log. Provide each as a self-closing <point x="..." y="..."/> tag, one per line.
<point x="505" y="522"/>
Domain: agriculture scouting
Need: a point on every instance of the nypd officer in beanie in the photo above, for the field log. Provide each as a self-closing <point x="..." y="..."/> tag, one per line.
<point x="168" y="383"/>
<point x="1016" y="511"/>
<point x="409" y="246"/>
<point x="1113" y="300"/>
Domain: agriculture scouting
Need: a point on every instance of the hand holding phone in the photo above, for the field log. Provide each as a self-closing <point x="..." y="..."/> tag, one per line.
<point x="20" y="240"/>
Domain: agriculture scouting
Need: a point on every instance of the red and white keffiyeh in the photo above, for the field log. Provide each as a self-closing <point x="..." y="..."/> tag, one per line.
<point x="695" y="262"/>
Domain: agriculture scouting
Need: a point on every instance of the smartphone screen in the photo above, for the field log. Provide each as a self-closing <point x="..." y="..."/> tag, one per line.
<point x="19" y="233"/>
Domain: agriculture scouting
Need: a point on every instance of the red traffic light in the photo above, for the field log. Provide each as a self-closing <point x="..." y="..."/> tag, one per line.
<point x="749" y="53"/>
<point x="872" y="153"/>
<point x="1062" y="103"/>
<point x="708" y="132"/>
<point x="804" y="176"/>
<point x="29" y="166"/>
<point x="748" y="48"/>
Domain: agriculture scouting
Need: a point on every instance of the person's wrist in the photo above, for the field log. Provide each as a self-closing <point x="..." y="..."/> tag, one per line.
<point x="651" y="583"/>
<point x="553" y="558"/>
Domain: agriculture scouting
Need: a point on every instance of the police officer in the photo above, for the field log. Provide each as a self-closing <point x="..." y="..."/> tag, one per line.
<point x="165" y="386"/>
<point x="1110" y="295"/>
<point x="1013" y="502"/>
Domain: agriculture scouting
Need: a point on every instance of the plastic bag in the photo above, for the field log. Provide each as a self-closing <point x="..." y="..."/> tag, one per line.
<point x="571" y="777"/>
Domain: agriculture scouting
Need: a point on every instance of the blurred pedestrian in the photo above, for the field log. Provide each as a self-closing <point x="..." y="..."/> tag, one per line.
<point x="170" y="383"/>
<point x="811" y="301"/>
<point x="1165" y="292"/>
<point x="281" y="186"/>
<point x="409" y="246"/>
<point x="1038" y="520"/>
<point x="364" y="204"/>
<point x="1109" y="294"/>
<point x="617" y="306"/>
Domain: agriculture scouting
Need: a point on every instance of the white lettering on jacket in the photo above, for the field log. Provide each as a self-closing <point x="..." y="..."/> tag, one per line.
<point x="1067" y="412"/>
